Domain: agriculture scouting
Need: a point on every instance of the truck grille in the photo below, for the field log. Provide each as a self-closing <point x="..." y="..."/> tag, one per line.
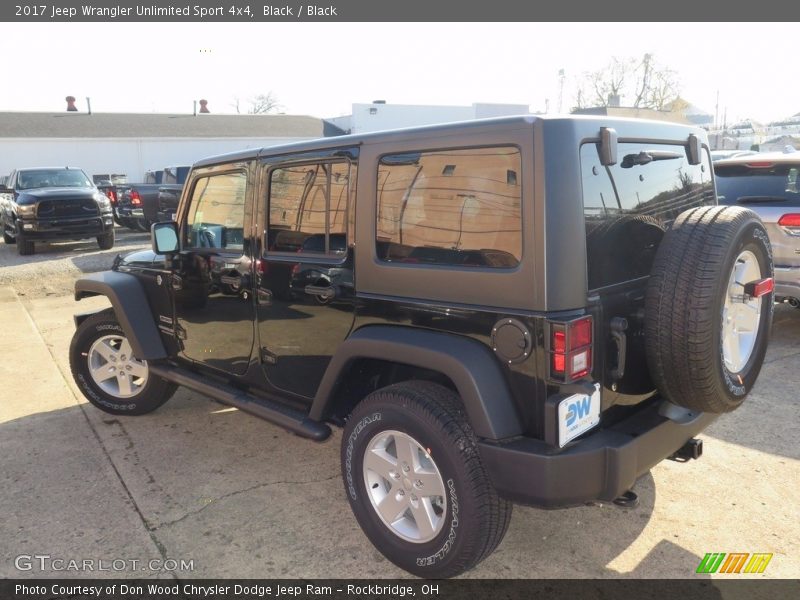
<point x="67" y="208"/>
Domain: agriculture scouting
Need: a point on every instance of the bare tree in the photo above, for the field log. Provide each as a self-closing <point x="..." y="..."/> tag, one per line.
<point x="262" y="104"/>
<point x="639" y="83"/>
<point x="663" y="90"/>
<point x="610" y="81"/>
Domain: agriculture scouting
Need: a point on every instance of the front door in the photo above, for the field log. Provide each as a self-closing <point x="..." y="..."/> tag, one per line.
<point x="212" y="275"/>
<point x="305" y="284"/>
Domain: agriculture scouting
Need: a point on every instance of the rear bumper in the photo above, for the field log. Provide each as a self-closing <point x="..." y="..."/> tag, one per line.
<point x="126" y="212"/>
<point x="598" y="467"/>
<point x="787" y="282"/>
<point x="67" y="228"/>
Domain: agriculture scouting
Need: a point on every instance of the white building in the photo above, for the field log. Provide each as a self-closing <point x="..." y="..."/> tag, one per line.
<point x="379" y="116"/>
<point x="131" y="144"/>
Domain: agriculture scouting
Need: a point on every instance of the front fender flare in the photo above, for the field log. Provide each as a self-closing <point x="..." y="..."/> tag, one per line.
<point x="470" y="365"/>
<point x="130" y="307"/>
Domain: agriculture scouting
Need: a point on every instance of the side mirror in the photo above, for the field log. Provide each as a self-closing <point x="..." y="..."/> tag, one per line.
<point x="164" y="237"/>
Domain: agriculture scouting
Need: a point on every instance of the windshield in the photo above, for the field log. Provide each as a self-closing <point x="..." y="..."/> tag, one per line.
<point x="743" y="183"/>
<point x="42" y="178"/>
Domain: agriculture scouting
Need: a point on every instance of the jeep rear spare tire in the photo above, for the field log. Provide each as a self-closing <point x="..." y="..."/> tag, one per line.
<point x="709" y="307"/>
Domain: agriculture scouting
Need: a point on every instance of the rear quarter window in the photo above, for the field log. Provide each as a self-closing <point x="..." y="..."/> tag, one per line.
<point x="629" y="205"/>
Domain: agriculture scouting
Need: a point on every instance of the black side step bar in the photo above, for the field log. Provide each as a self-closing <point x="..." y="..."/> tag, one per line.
<point x="288" y="418"/>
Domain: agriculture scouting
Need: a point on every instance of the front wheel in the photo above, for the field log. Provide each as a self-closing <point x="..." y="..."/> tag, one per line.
<point x="106" y="241"/>
<point x="416" y="483"/>
<point x="24" y="247"/>
<point x="107" y="372"/>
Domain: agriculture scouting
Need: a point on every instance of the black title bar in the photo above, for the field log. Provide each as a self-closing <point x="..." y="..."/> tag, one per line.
<point x="402" y="10"/>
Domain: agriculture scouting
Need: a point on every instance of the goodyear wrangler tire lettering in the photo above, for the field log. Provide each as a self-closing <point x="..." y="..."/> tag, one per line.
<point x="349" y="451"/>
<point x="705" y="338"/>
<point x="430" y="418"/>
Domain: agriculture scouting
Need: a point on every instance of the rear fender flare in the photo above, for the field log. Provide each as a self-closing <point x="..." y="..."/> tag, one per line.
<point x="469" y="364"/>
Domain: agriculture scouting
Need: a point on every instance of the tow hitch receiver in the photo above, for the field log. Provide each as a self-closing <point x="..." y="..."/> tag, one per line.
<point x="691" y="449"/>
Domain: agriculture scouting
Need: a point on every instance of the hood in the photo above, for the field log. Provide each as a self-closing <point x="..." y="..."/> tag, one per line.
<point x="56" y="193"/>
<point x="142" y="259"/>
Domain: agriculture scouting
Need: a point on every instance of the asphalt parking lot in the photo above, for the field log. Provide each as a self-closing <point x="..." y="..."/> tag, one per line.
<point x="238" y="497"/>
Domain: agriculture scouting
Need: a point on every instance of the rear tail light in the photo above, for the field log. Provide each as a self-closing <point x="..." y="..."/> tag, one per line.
<point x="791" y="222"/>
<point x="111" y="196"/>
<point x="136" y="199"/>
<point x="571" y="349"/>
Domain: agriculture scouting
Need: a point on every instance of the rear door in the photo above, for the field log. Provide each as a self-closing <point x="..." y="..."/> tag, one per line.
<point x="627" y="209"/>
<point x="305" y="282"/>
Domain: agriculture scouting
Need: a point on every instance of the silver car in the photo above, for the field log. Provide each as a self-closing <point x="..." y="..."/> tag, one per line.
<point x="769" y="184"/>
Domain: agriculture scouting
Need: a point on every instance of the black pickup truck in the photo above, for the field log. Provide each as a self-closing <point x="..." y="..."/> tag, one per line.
<point x="58" y="203"/>
<point x="139" y="204"/>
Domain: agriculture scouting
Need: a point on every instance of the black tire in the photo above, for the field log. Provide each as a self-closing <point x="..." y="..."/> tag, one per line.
<point x="106" y="241"/>
<point x="24" y="247"/>
<point x="684" y="307"/>
<point x="150" y="396"/>
<point x="7" y="238"/>
<point x="475" y="517"/>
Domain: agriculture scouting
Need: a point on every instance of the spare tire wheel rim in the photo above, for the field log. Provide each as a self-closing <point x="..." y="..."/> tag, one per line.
<point x="405" y="486"/>
<point x="114" y="369"/>
<point x="741" y="314"/>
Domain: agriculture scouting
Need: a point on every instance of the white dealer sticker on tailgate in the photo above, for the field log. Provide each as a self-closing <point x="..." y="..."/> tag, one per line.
<point x="577" y="414"/>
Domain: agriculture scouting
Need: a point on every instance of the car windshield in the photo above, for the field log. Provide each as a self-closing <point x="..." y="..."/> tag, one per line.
<point x="745" y="183"/>
<point x="42" y="178"/>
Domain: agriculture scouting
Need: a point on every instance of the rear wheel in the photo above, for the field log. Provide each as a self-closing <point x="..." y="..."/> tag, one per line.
<point x="706" y="331"/>
<point x="107" y="372"/>
<point x="416" y="483"/>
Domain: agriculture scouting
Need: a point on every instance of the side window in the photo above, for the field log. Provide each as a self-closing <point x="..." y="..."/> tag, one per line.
<point x="629" y="205"/>
<point x="458" y="207"/>
<point x="216" y="213"/>
<point x="308" y="208"/>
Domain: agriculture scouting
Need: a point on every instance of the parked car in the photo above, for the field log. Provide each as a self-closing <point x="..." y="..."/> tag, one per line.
<point x="723" y="154"/>
<point x="139" y="204"/>
<point x="53" y="203"/>
<point x="169" y="192"/>
<point x="107" y="183"/>
<point x="537" y="311"/>
<point x="769" y="185"/>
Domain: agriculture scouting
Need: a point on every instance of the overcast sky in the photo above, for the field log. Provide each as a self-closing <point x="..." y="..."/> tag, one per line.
<point x="320" y="69"/>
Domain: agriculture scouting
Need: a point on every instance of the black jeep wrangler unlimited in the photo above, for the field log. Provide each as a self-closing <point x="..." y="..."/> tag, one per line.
<point x="531" y="310"/>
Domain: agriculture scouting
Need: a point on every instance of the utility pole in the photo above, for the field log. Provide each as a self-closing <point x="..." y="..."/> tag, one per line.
<point x="561" y="77"/>
<point x="716" y="113"/>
